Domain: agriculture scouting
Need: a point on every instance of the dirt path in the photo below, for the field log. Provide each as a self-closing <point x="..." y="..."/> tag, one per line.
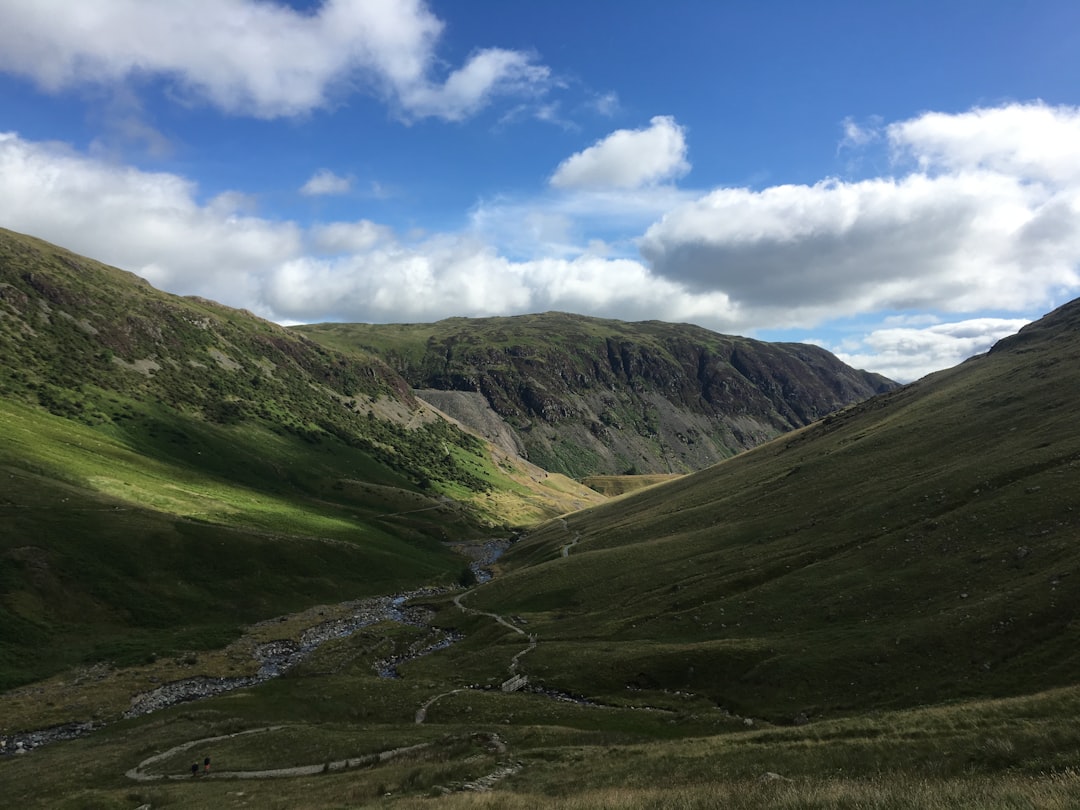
<point x="139" y="775"/>
<point x="495" y="616"/>
<point x="565" y="550"/>
<point x="421" y="713"/>
<point x="481" y="784"/>
<point x="532" y="637"/>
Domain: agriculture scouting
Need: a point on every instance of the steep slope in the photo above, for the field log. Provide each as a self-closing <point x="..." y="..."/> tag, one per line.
<point x="586" y="396"/>
<point x="174" y="467"/>
<point x="921" y="546"/>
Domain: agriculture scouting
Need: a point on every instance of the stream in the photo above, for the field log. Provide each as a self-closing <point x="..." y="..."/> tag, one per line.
<point x="278" y="657"/>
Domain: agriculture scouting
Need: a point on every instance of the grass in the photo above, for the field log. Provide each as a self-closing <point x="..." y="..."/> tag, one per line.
<point x="113" y="555"/>
<point x="1002" y="753"/>
<point x="878" y="610"/>
<point x="889" y="556"/>
<point x="174" y="469"/>
<point x="614" y="485"/>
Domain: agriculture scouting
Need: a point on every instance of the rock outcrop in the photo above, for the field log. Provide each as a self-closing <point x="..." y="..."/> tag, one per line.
<point x="585" y="396"/>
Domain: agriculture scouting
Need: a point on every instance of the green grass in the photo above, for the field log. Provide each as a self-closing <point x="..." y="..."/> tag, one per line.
<point x="879" y="608"/>
<point x="111" y="554"/>
<point x="1002" y="753"/>
<point x="174" y="469"/>
<point x="910" y="550"/>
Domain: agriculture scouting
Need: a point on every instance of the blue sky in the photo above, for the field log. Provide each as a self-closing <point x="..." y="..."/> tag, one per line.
<point x="898" y="182"/>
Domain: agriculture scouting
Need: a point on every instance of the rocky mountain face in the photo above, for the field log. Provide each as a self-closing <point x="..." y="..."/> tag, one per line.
<point x="587" y="396"/>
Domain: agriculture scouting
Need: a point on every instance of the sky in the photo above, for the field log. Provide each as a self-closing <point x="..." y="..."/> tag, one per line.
<point x="898" y="182"/>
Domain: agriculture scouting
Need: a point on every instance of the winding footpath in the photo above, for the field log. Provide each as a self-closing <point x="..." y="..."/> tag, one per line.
<point x="277" y="657"/>
<point x="421" y="713"/>
<point x="565" y="550"/>
<point x="139" y="774"/>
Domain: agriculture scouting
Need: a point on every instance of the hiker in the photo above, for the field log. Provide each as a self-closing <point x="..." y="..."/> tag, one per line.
<point x="194" y="768"/>
<point x="206" y="765"/>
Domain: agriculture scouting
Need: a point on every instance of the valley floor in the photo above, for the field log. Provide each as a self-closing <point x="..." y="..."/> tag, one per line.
<point x="334" y="731"/>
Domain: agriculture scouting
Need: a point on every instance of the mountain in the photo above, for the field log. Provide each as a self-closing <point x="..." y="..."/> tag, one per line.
<point x="586" y="396"/>
<point x="877" y="609"/>
<point x="915" y="548"/>
<point x="174" y="467"/>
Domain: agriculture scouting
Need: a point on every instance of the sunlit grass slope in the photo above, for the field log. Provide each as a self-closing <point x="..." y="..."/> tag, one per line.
<point x="920" y="547"/>
<point x="171" y="469"/>
<point x="111" y="554"/>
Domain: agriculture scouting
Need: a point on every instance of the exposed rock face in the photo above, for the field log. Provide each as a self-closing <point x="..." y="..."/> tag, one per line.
<point x="588" y="396"/>
<point x="472" y="409"/>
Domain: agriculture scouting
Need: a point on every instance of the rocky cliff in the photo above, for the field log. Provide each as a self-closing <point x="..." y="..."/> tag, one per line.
<point x="589" y="396"/>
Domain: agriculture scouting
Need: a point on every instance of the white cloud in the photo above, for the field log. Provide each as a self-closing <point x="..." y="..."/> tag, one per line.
<point x="857" y="135"/>
<point x="487" y="73"/>
<point x="1034" y="142"/>
<point x="448" y="276"/>
<point x="606" y="104"/>
<point x="349" y="237"/>
<point x="987" y="223"/>
<point x="154" y="225"/>
<point x="324" y="182"/>
<point x="562" y="223"/>
<point x="906" y="354"/>
<point x="149" y="223"/>
<point x="627" y="159"/>
<point x="260" y="58"/>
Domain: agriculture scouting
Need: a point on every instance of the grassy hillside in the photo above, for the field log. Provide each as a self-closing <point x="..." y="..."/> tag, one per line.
<point x="587" y="396"/>
<point x="175" y="469"/>
<point x="916" y="548"/>
<point x="875" y="611"/>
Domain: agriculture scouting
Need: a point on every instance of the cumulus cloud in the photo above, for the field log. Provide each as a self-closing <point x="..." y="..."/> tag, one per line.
<point x="154" y="224"/>
<point x="563" y="223"/>
<point x="1034" y="142"/>
<point x="986" y="222"/>
<point x="324" y="182"/>
<point x="453" y="275"/>
<point x="148" y="222"/>
<point x="627" y="159"/>
<point x="259" y="58"/>
<point x="908" y="353"/>
<point x="348" y="237"/>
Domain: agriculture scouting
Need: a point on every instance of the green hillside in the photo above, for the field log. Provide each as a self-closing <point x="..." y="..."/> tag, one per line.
<point x="175" y="469"/>
<point x="915" y="548"/>
<point x="878" y="610"/>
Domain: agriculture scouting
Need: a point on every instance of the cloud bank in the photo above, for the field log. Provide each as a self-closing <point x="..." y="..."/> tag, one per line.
<point x="263" y="59"/>
<point x="987" y="218"/>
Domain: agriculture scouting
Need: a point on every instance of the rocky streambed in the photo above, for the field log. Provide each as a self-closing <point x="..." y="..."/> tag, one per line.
<point x="279" y="656"/>
<point x="274" y="658"/>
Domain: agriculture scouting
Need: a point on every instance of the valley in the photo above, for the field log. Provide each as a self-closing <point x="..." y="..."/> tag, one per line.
<point x="873" y="607"/>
